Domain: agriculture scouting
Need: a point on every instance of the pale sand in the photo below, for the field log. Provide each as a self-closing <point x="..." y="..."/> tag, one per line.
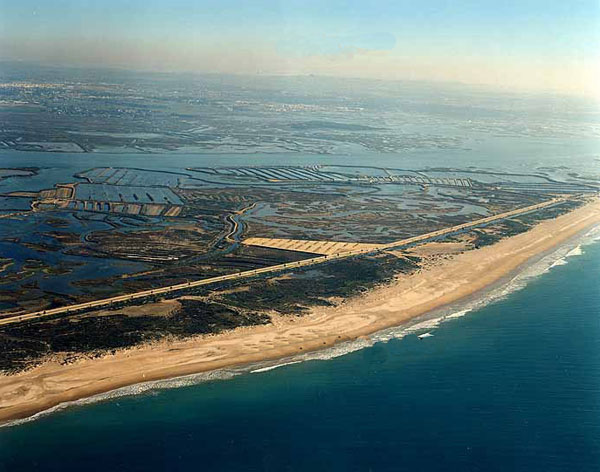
<point x="443" y="283"/>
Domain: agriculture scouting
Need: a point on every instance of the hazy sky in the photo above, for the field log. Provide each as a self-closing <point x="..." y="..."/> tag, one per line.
<point x="528" y="44"/>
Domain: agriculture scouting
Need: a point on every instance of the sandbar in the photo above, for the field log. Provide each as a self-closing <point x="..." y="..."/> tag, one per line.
<point x="446" y="282"/>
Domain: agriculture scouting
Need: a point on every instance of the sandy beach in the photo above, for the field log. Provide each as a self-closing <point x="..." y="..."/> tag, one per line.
<point x="443" y="283"/>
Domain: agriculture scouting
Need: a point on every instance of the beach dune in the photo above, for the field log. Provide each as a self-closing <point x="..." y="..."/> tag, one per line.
<point x="446" y="282"/>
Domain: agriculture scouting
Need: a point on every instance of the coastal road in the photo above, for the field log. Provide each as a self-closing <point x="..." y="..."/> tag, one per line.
<point x="7" y="318"/>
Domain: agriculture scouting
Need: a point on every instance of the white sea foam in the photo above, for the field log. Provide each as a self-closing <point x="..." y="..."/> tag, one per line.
<point x="458" y="314"/>
<point x="425" y="323"/>
<point x="137" y="389"/>
<point x="271" y="367"/>
<point x="559" y="262"/>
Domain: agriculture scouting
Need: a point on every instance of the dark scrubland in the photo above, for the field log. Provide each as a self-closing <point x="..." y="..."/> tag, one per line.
<point x="25" y="345"/>
<point x="299" y="291"/>
<point x="504" y="229"/>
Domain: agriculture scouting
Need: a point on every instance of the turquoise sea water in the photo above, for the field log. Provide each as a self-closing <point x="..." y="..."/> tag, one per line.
<point x="513" y="385"/>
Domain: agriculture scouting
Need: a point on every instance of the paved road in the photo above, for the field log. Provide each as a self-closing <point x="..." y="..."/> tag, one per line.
<point x="106" y="302"/>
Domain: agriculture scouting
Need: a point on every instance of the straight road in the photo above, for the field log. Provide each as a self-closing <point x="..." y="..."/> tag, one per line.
<point x="107" y="302"/>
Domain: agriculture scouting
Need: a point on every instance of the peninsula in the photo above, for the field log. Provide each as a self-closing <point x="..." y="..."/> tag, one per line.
<point x="451" y="272"/>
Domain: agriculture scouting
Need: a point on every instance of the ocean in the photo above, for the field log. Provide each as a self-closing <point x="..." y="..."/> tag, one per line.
<point x="510" y="381"/>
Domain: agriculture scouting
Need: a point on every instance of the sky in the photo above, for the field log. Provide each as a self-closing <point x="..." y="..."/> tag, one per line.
<point x="528" y="44"/>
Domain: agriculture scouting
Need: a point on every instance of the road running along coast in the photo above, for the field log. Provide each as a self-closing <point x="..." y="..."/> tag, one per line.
<point x="8" y="318"/>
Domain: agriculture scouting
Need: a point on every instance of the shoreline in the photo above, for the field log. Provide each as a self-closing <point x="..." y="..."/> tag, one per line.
<point x="456" y="280"/>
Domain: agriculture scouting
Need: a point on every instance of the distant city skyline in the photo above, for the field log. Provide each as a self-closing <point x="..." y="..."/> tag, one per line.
<point x="521" y="45"/>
